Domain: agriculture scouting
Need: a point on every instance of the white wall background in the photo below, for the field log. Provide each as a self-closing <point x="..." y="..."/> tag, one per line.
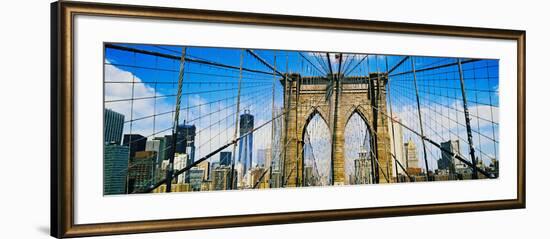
<point x="24" y="125"/>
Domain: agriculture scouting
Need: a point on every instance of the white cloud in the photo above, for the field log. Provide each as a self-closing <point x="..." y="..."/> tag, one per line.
<point x="442" y="124"/>
<point x="125" y="89"/>
<point x="448" y="118"/>
<point x="209" y="136"/>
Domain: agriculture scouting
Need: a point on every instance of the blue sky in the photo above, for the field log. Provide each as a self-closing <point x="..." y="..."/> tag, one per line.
<point x="209" y="93"/>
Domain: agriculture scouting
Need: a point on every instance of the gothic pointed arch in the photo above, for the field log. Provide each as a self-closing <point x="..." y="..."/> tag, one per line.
<point x="316" y="150"/>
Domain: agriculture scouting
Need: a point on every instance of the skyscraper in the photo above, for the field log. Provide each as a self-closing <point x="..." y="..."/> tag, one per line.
<point x="186" y="143"/>
<point x="136" y="142"/>
<point x="115" y="164"/>
<point x="205" y="166"/>
<point x="410" y="154"/>
<point x="363" y="168"/>
<point x="397" y="141"/>
<point x="141" y="171"/>
<point x="448" y="161"/>
<point x="221" y="176"/>
<point x="213" y="166"/>
<point x="196" y="176"/>
<point x="225" y="158"/>
<point x="246" y="125"/>
<point x="113" y="124"/>
<point x="186" y="138"/>
<point x="158" y="145"/>
<point x="180" y="162"/>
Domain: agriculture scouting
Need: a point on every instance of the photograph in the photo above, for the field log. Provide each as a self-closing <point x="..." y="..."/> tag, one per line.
<point x="204" y="118"/>
<point x="275" y="118"/>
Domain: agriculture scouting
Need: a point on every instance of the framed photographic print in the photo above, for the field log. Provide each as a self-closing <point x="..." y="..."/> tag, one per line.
<point x="172" y="119"/>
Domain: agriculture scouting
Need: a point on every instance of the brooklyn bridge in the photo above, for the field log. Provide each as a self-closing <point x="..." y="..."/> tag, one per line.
<point x="181" y="119"/>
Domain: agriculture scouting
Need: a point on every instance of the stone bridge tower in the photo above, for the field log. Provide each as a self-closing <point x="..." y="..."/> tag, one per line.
<point x="335" y="101"/>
